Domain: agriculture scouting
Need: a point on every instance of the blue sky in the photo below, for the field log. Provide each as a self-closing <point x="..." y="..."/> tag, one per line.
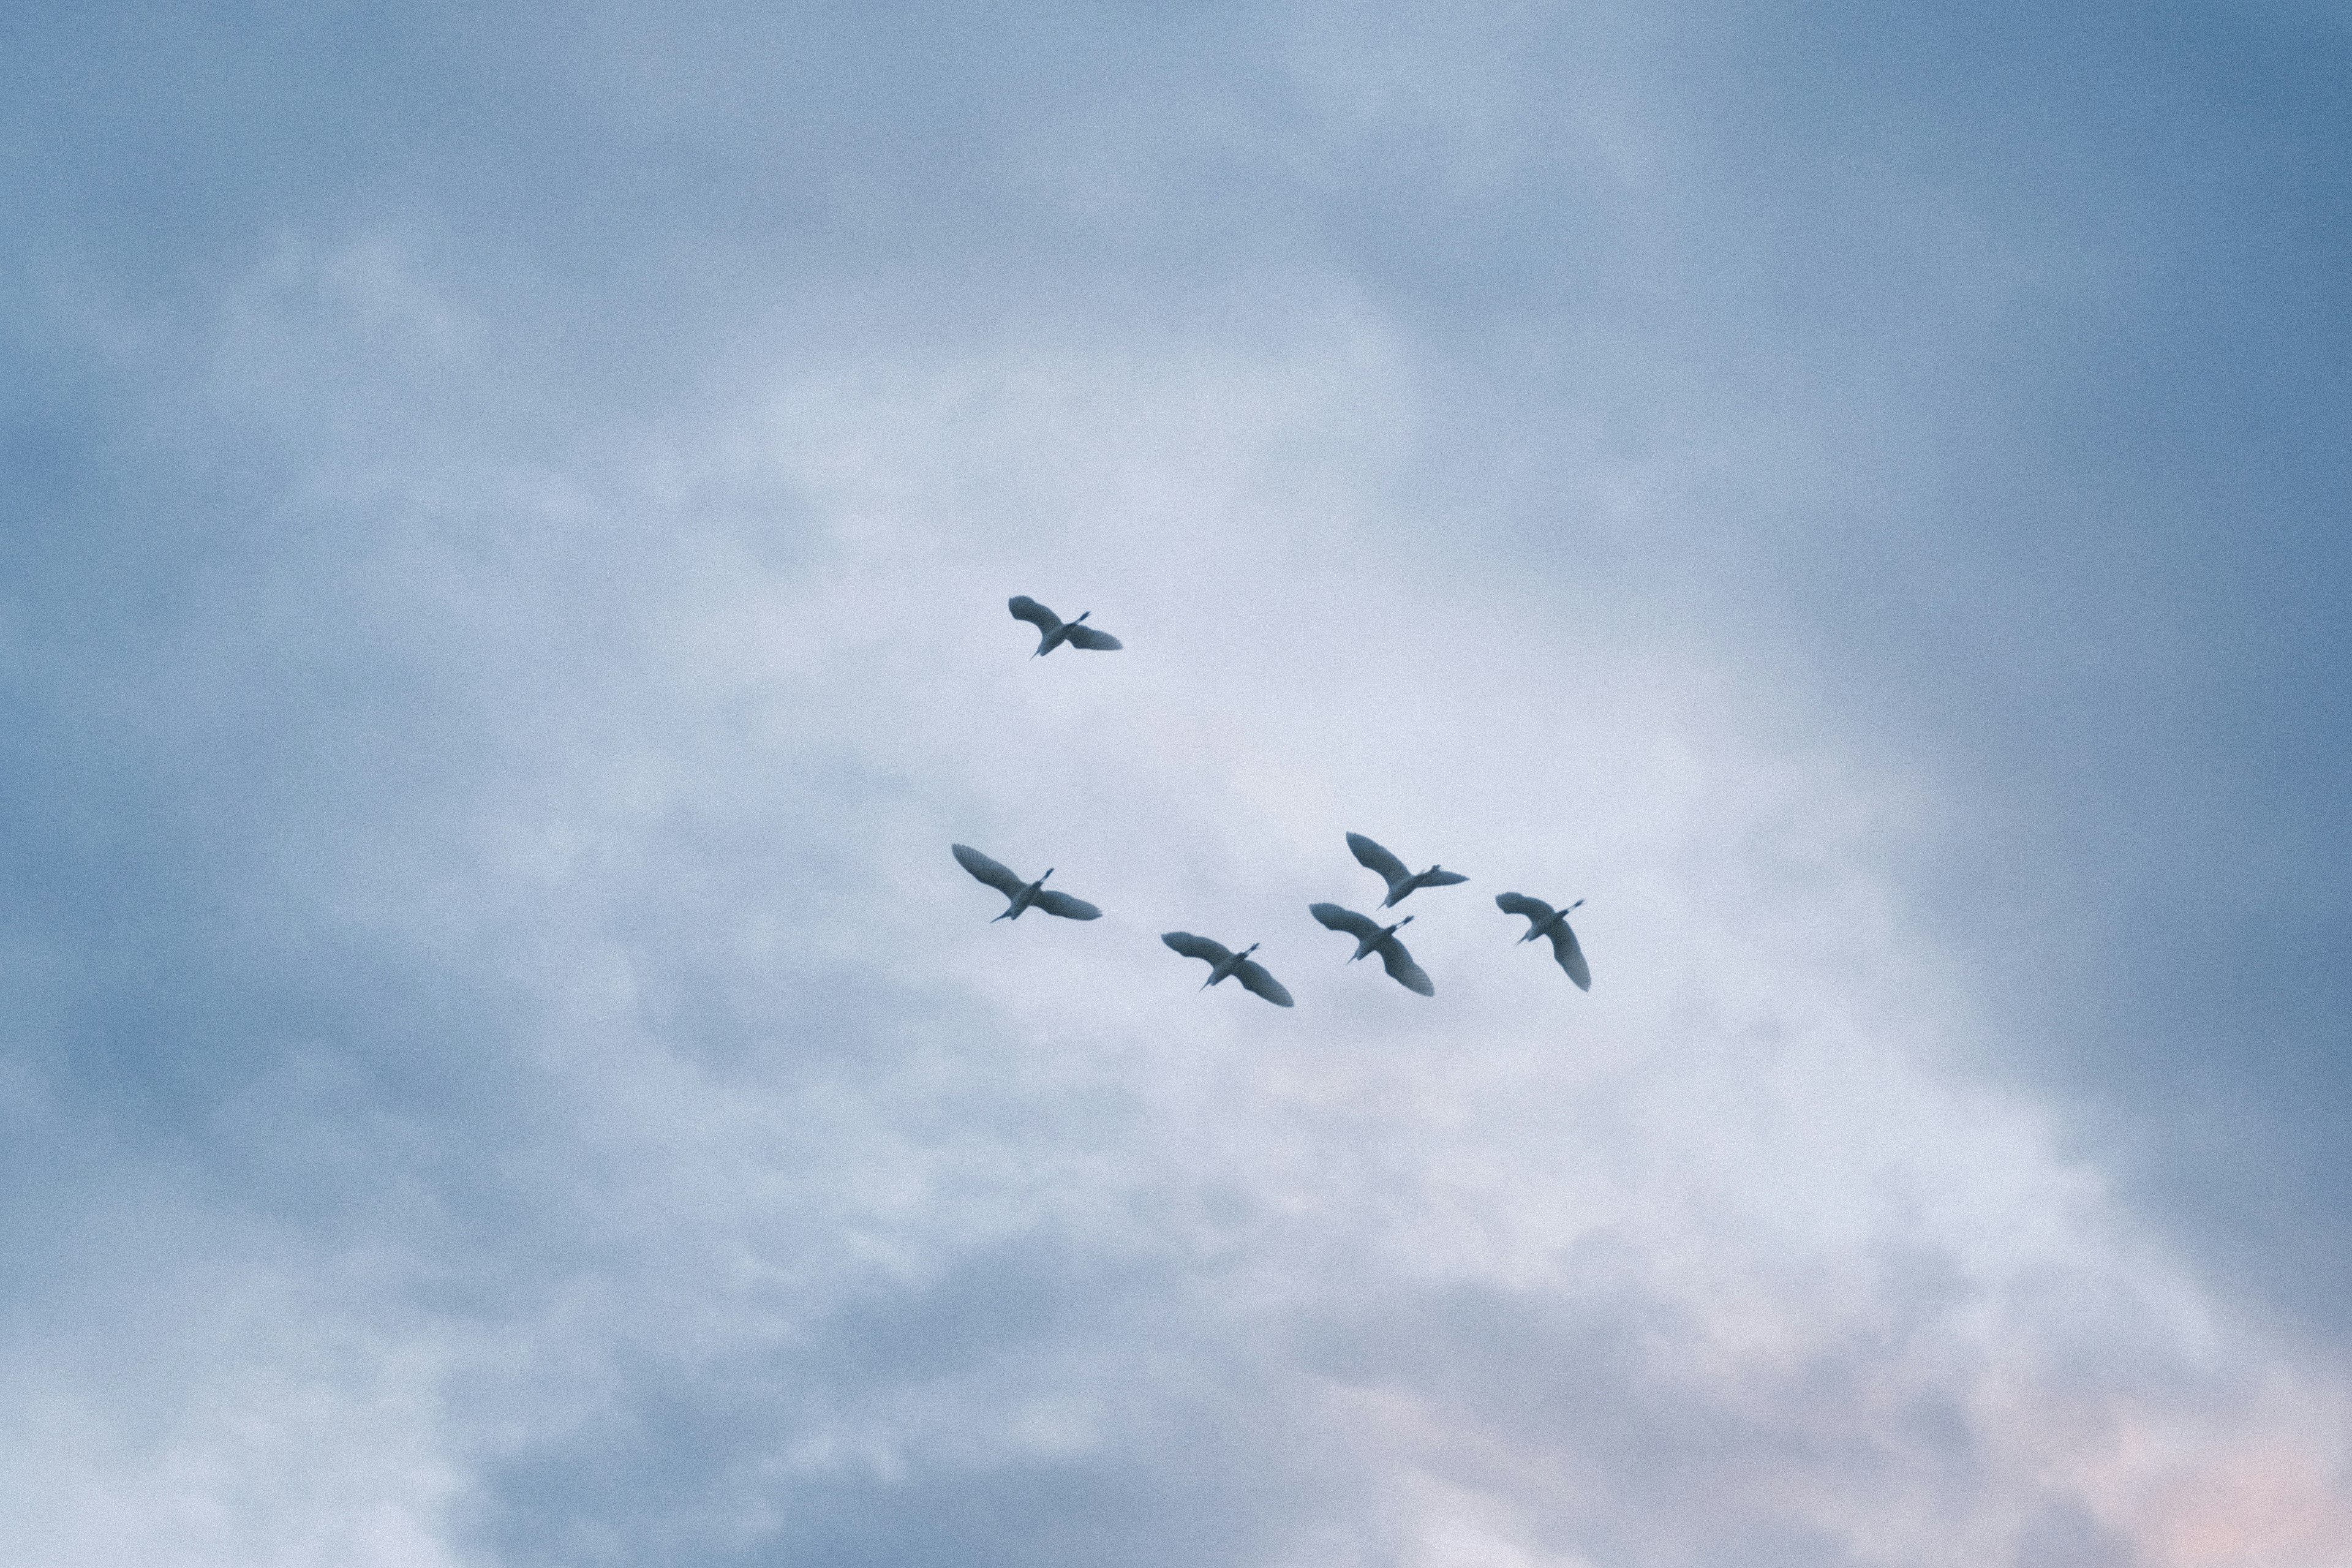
<point x="509" y="512"/>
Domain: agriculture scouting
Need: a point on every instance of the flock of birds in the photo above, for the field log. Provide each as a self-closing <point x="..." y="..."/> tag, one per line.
<point x="1371" y="936"/>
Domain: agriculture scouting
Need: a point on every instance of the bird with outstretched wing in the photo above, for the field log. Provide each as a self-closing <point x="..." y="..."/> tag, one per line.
<point x="1223" y="961"/>
<point x="1052" y="631"/>
<point x="1022" y="895"/>
<point x="1390" y="869"/>
<point x="1545" y="921"/>
<point x="1373" y="937"/>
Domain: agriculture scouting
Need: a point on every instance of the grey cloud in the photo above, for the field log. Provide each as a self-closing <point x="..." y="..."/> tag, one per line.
<point x="924" y="1404"/>
<point x="485" y="690"/>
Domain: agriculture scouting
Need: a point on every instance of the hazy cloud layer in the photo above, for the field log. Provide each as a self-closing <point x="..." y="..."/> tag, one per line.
<point x="507" y="616"/>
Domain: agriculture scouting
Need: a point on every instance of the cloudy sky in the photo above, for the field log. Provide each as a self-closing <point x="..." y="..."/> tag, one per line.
<point x="505" y="520"/>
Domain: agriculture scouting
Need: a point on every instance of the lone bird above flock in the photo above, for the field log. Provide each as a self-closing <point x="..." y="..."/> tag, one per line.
<point x="1222" y="961"/>
<point x="1390" y="869"/>
<point x="1373" y="937"/>
<point x="1055" y="631"/>
<point x="1545" y="921"/>
<point x="1023" y="895"/>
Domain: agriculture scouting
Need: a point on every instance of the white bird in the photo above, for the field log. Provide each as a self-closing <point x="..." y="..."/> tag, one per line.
<point x="1055" y="631"/>
<point x="1373" y="937"/>
<point x="1025" y="895"/>
<point x="1390" y="869"/>
<point x="1222" y="961"/>
<point x="1545" y="921"/>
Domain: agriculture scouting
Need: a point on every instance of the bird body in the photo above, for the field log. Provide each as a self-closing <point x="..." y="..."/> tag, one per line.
<point x="1052" y="631"/>
<point x="1390" y="869"/>
<point x="1545" y="921"/>
<point x="1224" y="963"/>
<point x="1373" y="937"/>
<point x="1022" y="895"/>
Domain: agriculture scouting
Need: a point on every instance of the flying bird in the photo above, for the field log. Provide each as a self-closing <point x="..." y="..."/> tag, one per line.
<point x="1390" y="869"/>
<point x="1055" y="631"/>
<point x="1545" y="921"/>
<point x="1373" y="937"/>
<point x="1025" y="895"/>
<point x="1222" y="961"/>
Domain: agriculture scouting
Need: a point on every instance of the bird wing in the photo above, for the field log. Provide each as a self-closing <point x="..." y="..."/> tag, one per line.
<point x="1443" y="879"/>
<point x="1402" y="969"/>
<point x="1253" y="975"/>
<point x="1086" y="637"/>
<point x="1570" y="956"/>
<point x="1348" y="920"/>
<point x="1068" y="908"/>
<point x="1373" y="857"/>
<point x="1536" y="909"/>
<point x="1192" y="946"/>
<point x="998" y="877"/>
<point x="1025" y="608"/>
